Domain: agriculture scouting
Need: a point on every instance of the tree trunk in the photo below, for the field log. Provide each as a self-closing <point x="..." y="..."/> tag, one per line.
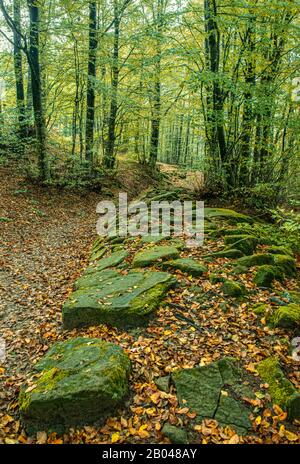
<point x="248" y="114"/>
<point x="34" y="63"/>
<point x="215" y="99"/>
<point x="90" y="93"/>
<point x="156" y="110"/>
<point x="18" y="68"/>
<point x="109" y="158"/>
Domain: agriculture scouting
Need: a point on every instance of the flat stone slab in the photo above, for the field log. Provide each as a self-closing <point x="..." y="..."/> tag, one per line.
<point x="80" y="381"/>
<point x="122" y="300"/>
<point x="154" y="254"/>
<point x="215" y="391"/>
<point x="281" y="389"/>
<point x="228" y="214"/>
<point x="188" y="265"/>
<point x="95" y="279"/>
<point x="112" y="260"/>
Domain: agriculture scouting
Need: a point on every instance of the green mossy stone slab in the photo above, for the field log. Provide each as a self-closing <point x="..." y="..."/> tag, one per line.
<point x="188" y="265"/>
<point x="200" y="387"/>
<point x="233" y="289"/>
<point x="265" y="276"/>
<point x="95" y="279"/>
<point x="258" y="259"/>
<point x="286" y="264"/>
<point x="227" y="214"/>
<point x="280" y="250"/>
<point x="154" y="254"/>
<point x="176" y="435"/>
<point x="111" y="261"/>
<point x="234" y="413"/>
<point x="81" y="381"/>
<point x="153" y="238"/>
<point x="163" y="383"/>
<point x="124" y="301"/>
<point x="98" y="254"/>
<point x="245" y="243"/>
<point x="282" y="391"/>
<point x="287" y="317"/>
<point x="230" y="253"/>
<point x="215" y="391"/>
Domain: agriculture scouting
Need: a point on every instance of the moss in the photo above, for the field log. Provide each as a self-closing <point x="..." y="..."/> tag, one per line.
<point x="122" y="301"/>
<point x="287" y="317"/>
<point x="280" y="388"/>
<point x="188" y="265"/>
<point x="286" y="264"/>
<point x="239" y="270"/>
<point x="82" y="380"/>
<point x="227" y="214"/>
<point x="214" y="278"/>
<point x="201" y="389"/>
<point x="233" y="289"/>
<point x="152" y="255"/>
<point x="280" y="250"/>
<point x="176" y="435"/>
<point x="110" y="261"/>
<point x="265" y="276"/>
<point x="260" y="309"/>
<point x="95" y="279"/>
<point x="245" y="243"/>
<point x="228" y="253"/>
<point x="258" y="259"/>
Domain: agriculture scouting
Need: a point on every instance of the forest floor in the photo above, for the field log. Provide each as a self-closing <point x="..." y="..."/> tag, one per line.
<point x="46" y="237"/>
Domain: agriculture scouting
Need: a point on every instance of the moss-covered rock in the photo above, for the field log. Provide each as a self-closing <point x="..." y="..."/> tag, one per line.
<point x="260" y="309"/>
<point x="95" y="255"/>
<point x="215" y="279"/>
<point x="176" y="435"/>
<point x="265" y="276"/>
<point x="154" y="254"/>
<point x="237" y="270"/>
<point x="122" y="301"/>
<point x="258" y="259"/>
<point x="245" y="243"/>
<point x="280" y="250"/>
<point x="282" y="391"/>
<point x="293" y="297"/>
<point x="233" y="289"/>
<point x="287" y="317"/>
<point x="215" y="391"/>
<point x="286" y="264"/>
<point x="80" y="381"/>
<point x="110" y="261"/>
<point x="153" y="238"/>
<point x="227" y="214"/>
<point x="230" y="253"/>
<point x="95" y="279"/>
<point x="163" y="383"/>
<point x="188" y="265"/>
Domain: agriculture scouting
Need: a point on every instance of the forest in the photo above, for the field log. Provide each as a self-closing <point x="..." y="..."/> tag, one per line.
<point x="145" y="340"/>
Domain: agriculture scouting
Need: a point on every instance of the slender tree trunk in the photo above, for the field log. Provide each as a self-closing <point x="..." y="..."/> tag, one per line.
<point x="75" y="116"/>
<point x="216" y="143"/>
<point x="90" y="93"/>
<point x="18" y="67"/>
<point x="156" y="110"/>
<point x="36" y="85"/>
<point x="109" y="158"/>
<point x="248" y="114"/>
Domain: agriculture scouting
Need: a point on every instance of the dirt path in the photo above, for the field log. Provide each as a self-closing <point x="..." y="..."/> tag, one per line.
<point x="45" y="237"/>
